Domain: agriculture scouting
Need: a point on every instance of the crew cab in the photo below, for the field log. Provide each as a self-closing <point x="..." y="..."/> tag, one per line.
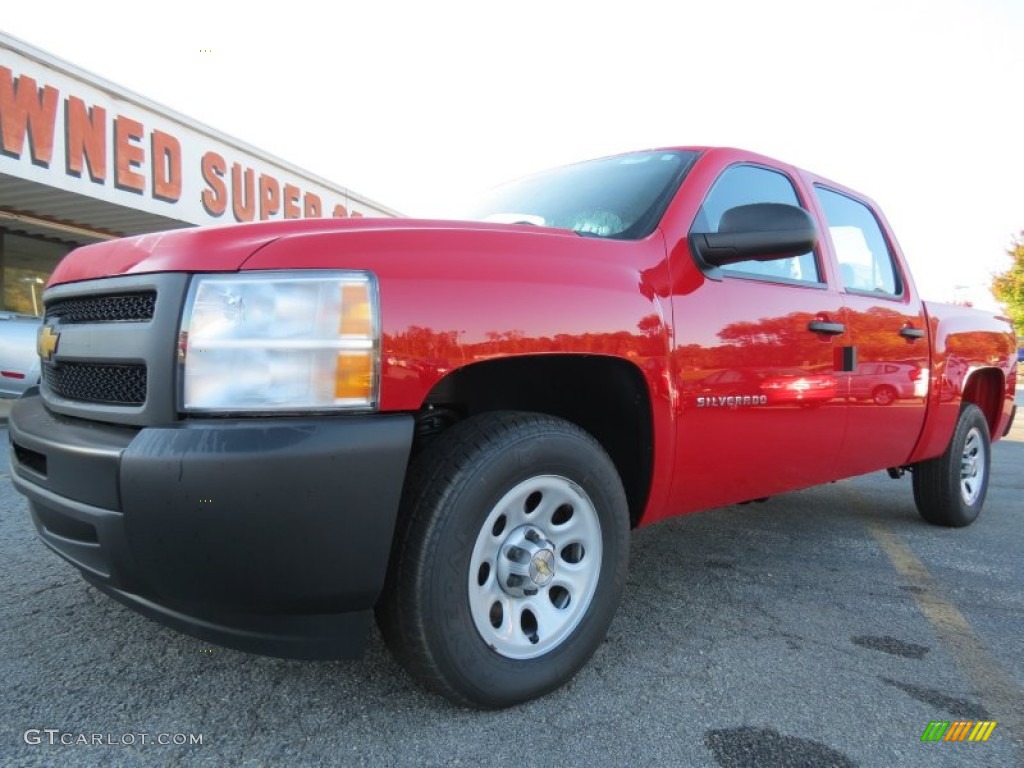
<point x="262" y="434"/>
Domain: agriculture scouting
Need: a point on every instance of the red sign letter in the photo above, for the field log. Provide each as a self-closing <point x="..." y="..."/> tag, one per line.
<point x="312" y="208"/>
<point x="270" y="196"/>
<point x="166" y="151"/>
<point x="127" y="155"/>
<point x="291" y="202"/>
<point x="243" y="201"/>
<point x="215" y="199"/>
<point x="22" y="106"/>
<point x="85" y="132"/>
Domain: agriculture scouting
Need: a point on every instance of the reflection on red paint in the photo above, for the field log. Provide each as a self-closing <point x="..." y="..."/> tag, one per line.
<point x="427" y="354"/>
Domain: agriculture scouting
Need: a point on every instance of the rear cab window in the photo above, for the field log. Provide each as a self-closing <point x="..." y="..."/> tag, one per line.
<point x="866" y="263"/>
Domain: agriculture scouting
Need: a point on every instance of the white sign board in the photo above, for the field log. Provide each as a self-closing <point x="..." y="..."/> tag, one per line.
<point x="66" y="132"/>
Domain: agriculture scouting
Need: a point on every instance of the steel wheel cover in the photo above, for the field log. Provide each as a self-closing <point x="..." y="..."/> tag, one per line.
<point x="972" y="467"/>
<point x="535" y="567"/>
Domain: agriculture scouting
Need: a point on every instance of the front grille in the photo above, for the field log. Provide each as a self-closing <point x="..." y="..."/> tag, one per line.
<point x="120" y="384"/>
<point x="115" y="359"/>
<point x="129" y="307"/>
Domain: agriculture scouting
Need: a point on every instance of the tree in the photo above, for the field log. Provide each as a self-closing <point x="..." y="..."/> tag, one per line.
<point x="1008" y="287"/>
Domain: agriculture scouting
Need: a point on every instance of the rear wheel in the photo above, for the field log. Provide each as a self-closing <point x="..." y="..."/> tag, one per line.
<point x="950" y="490"/>
<point x="509" y="561"/>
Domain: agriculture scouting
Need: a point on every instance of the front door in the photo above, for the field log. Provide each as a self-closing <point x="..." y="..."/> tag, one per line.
<point x="762" y="409"/>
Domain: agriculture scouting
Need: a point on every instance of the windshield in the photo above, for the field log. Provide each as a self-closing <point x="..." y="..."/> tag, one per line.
<point x="621" y="197"/>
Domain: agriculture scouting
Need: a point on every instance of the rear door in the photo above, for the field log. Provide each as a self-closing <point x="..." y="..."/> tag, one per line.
<point x="886" y="326"/>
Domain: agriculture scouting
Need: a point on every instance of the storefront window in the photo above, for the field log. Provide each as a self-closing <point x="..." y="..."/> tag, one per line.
<point x="27" y="263"/>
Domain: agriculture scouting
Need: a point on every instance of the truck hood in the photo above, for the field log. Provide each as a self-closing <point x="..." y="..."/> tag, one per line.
<point x="227" y="248"/>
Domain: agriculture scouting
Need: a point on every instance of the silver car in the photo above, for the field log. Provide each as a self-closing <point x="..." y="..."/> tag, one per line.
<point x="19" y="362"/>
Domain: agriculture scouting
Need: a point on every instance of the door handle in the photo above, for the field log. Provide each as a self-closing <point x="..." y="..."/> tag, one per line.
<point x="909" y="332"/>
<point x="823" y="326"/>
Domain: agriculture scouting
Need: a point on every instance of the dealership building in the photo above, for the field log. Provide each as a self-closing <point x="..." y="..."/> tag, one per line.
<point x="84" y="160"/>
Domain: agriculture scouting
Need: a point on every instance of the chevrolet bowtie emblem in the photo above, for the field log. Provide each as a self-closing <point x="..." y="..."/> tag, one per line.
<point x="46" y="342"/>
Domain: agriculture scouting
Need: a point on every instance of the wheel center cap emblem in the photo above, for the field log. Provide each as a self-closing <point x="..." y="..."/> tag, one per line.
<point x="542" y="567"/>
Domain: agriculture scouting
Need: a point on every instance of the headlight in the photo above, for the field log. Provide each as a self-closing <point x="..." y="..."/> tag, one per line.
<point x="279" y="341"/>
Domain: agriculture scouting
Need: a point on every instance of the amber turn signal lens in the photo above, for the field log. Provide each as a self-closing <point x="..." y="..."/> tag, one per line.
<point x="355" y="310"/>
<point x="354" y="376"/>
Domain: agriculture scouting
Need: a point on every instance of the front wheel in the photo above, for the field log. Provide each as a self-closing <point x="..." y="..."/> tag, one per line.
<point x="884" y="395"/>
<point x="950" y="489"/>
<point x="509" y="560"/>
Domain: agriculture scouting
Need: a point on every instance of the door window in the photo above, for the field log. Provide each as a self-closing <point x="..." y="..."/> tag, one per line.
<point x="743" y="185"/>
<point x="865" y="262"/>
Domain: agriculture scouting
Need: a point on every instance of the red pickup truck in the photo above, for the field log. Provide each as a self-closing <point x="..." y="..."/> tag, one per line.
<point x="261" y="434"/>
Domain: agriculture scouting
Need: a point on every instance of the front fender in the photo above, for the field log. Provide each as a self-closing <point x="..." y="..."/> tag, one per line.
<point x="451" y="297"/>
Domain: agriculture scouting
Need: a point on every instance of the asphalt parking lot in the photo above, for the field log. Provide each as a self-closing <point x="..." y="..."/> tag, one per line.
<point x="822" y="628"/>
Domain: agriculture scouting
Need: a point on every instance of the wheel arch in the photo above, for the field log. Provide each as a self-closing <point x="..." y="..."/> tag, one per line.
<point x="604" y="395"/>
<point x="985" y="388"/>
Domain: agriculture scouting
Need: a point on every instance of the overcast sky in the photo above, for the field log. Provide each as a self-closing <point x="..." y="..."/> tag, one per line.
<point x="414" y="104"/>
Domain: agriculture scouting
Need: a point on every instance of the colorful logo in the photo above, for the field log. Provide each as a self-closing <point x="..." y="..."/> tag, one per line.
<point x="958" y="730"/>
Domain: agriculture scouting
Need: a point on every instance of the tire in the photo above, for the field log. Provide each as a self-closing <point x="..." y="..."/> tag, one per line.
<point x="950" y="490"/>
<point x="509" y="559"/>
<point x="884" y="395"/>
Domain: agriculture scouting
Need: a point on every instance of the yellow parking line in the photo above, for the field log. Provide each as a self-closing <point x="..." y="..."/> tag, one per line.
<point x="1002" y="697"/>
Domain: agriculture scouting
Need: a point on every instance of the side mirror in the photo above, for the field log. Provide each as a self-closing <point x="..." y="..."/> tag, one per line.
<point x="759" y="232"/>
